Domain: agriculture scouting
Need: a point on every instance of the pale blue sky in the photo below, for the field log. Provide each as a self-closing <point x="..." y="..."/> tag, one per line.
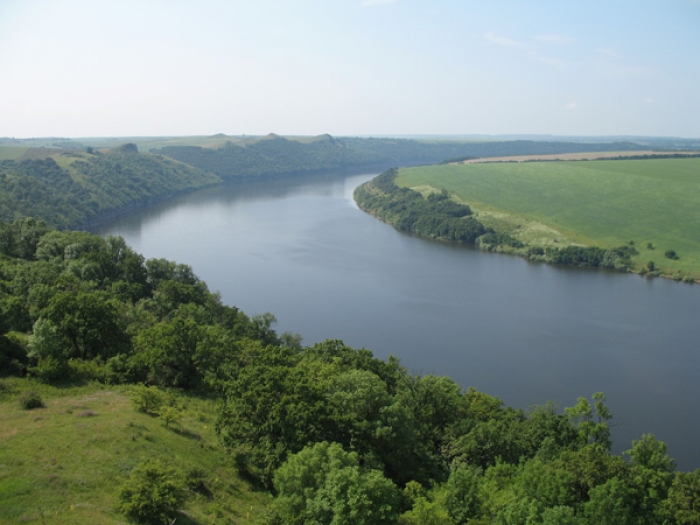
<point x="79" y="68"/>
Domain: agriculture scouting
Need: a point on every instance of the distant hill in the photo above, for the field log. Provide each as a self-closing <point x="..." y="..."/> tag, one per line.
<point x="276" y="155"/>
<point x="72" y="183"/>
<point x="72" y="189"/>
<point x="272" y="155"/>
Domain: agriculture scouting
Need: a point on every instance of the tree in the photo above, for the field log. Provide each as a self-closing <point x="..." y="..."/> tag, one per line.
<point x="683" y="504"/>
<point x="591" y="420"/>
<point x="87" y="324"/>
<point x="610" y="504"/>
<point x="355" y="400"/>
<point x="324" y="485"/>
<point x="169" y="353"/>
<point x="152" y="494"/>
<point x="650" y="476"/>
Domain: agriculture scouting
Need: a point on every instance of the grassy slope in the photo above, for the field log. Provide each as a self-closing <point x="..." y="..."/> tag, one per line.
<point x="604" y="203"/>
<point x="67" y="460"/>
<point x="12" y="152"/>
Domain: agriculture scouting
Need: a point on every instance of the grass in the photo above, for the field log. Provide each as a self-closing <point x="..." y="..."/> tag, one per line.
<point x="602" y="203"/>
<point x="62" y="464"/>
<point x="12" y="152"/>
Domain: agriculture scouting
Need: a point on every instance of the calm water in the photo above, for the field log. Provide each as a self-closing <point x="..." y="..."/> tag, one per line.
<point x="525" y="332"/>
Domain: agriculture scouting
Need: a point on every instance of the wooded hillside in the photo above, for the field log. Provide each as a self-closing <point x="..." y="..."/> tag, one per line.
<point x="334" y="434"/>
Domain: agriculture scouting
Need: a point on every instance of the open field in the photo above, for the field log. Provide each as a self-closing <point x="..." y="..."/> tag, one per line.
<point x="598" y="155"/>
<point x="12" y="152"/>
<point x="605" y="203"/>
<point x="62" y="464"/>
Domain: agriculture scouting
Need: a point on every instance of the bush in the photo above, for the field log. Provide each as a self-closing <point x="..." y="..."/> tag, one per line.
<point x="147" y="399"/>
<point x="31" y="399"/>
<point x="52" y="370"/>
<point x="169" y="414"/>
<point x="152" y="494"/>
<point x="671" y="254"/>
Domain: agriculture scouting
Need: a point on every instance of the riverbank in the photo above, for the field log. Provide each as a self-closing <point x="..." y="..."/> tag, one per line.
<point x="407" y="199"/>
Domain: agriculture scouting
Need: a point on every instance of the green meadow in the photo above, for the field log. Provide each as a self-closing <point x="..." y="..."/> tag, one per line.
<point x="64" y="463"/>
<point x="653" y="203"/>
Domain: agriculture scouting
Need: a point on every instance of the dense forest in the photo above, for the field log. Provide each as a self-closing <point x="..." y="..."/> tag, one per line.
<point x="437" y="216"/>
<point x="335" y="435"/>
<point x="70" y="189"/>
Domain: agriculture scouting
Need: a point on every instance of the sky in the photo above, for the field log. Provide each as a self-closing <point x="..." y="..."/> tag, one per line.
<point x="103" y="68"/>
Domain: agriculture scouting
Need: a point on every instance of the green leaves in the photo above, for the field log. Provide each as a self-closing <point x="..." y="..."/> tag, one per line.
<point x="152" y="494"/>
<point x="324" y="485"/>
<point x="591" y="420"/>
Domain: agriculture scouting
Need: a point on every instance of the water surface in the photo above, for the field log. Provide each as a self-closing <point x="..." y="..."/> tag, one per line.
<point x="525" y="332"/>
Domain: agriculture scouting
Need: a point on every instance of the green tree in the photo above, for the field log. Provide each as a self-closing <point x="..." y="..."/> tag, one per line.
<point x="325" y="485"/>
<point x="682" y="507"/>
<point x="169" y="353"/>
<point x="87" y="324"/>
<point x="649" y="477"/>
<point x="461" y="494"/>
<point x="591" y="420"/>
<point x="610" y="504"/>
<point x="152" y="494"/>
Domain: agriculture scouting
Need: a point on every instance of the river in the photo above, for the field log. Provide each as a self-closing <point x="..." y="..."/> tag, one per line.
<point x="525" y="332"/>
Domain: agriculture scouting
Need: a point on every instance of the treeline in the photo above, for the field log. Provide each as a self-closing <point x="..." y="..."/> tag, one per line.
<point x="437" y="216"/>
<point x="71" y="189"/>
<point x="270" y="156"/>
<point x="619" y="258"/>
<point x="336" y="435"/>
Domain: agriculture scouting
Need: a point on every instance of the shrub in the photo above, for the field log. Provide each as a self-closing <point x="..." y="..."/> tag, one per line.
<point x="152" y="494"/>
<point x="147" y="399"/>
<point x="671" y="254"/>
<point x="169" y="414"/>
<point x="31" y="399"/>
<point x="52" y="370"/>
<point x="87" y="370"/>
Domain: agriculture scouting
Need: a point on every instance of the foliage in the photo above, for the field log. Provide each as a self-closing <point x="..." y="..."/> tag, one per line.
<point x="273" y="155"/>
<point x="31" y="399"/>
<point x="147" y="399"/>
<point x="152" y="494"/>
<point x="70" y="189"/>
<point x="436" y="216"/>
<point x="334" y="431"/>
<point x="324" y="484"/>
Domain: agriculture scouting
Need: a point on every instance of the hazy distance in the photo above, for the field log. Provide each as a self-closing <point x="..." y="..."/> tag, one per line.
<point x="78" y="68"/>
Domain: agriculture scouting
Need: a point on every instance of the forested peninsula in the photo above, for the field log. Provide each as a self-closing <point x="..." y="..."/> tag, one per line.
<point x="438" y="216"/>
<point x="130" y="391"/>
